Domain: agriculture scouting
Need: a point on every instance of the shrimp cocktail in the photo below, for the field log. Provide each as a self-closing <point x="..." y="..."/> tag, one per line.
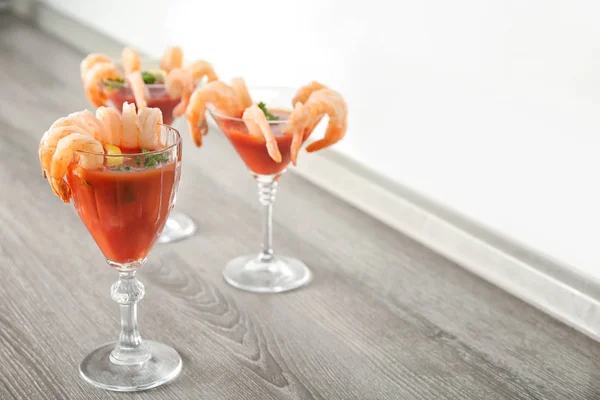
<point x="121" y="171"/>
<point x="268" y="136"/>
<point x="167" y="88"/>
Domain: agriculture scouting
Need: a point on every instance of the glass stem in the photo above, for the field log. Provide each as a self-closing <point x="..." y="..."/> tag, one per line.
<point x="130" y="349"/>
<point x="267" y="187"/>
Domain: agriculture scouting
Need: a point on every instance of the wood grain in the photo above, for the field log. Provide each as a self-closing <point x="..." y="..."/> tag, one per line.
<point x="385" y="317"/>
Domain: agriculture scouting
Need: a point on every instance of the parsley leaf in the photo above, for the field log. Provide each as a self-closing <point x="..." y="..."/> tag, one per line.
<point x="148" y="77"/>
<point x="150" y="161"/>
<point x="153" y="160"/>
<point x="269" y="116"/>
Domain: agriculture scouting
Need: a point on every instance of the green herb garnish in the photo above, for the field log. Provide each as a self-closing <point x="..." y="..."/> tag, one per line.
<point x="127" y="168"/>
<point x="148" y="77"/>
<point x="150" y="161"/>
<point x="154" y="160"/>
<point x="269" y="116"/>
<point x="114" y="83"/>
<point x="117" y="83"/>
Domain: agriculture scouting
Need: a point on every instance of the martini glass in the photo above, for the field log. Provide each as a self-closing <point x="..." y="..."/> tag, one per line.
<point x="179" y="226"/>
<point x="124" y="205"/>
<point x="264" y="272"/>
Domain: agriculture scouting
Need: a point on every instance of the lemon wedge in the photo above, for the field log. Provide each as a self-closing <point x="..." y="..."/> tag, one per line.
<point x="111" y="149"/>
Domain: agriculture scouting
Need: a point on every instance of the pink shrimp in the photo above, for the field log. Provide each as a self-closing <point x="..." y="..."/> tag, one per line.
<point x="200" y="69"/>
<point x="88" y="62"/>
<point x="221" y="96"/>
<point x="93" y="80"/>
<point x="296" y="125"/>
<point x="304" y="92"/>
<point x="131" y="132"/>
<point x="131" y="60"/>
<point x="149" y="122"/>
<point x="180" y="85"/>
<point x="111" y="121"/>
<point x="238" y="84"/>
<point x="172" y="58"/>
<point x="138" y="87"/>
<point x="80" y="122"/>
<point x="257" y="125"/>
<point x="63" y="156"/>
<point x="94" y="126"/>
<point x="330" y="102"/>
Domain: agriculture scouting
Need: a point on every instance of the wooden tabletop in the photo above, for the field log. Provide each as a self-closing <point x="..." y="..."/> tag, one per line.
<point x="384" y="318"/>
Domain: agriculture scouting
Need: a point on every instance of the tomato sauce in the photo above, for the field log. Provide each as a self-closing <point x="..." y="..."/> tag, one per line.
<point x="124" y="211"/>
<point x="253" y="149"/>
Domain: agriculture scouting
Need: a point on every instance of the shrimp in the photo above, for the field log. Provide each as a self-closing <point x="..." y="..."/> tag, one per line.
<point x="304" y="92"/>
<point x="94" y="126"/>
<point x="64" y="155"/>
<point x="257" y="124"/>
<point x="91" y="60"/>
<point x="93" y="79"/>
<point x="172" y="58"/>
<point x="241" y="91"/>
<point x="138" y="87"/>
<point x="74" y="123"/>
<point x="180" y="84"/>
<point x="131" y="60"/>
<point x="49" y="142"/>
<point x="221" y="96"/>
<point x="130" y="133"/>
<point x="111" y="121"/>
<point x="330" y="102"/>
<point x="149" y="122"/>
<point x="296" y="125"/>
<point x="200" y="69"/>
<point x="73" y="120"/>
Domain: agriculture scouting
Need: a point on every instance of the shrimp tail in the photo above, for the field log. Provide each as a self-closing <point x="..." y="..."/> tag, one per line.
<point x="327" y="102"/>
<point x="179" y="109"/>
<point x="273" y="151"/>
<point x="195" y="115"/>
<point x="318" y="145"/>
<point x="297" y="126"/>
<point x="197" y="131"/>
<point x="172" y="58"/>
<point x="180" y="84"/>
<point x="295" y="147"/>
<point x="61" y="189"/>
<point x="257" y="125"/>
<point x="139" y="89"/>
<point x="334" y="133"/>
<point x="238" y="84"/>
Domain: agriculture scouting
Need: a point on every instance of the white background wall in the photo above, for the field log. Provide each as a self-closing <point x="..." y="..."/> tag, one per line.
<point x="491" y="107"/>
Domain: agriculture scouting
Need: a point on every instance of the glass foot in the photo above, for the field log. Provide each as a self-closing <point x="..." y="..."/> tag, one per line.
<point x="179" y="226"/>
<point x="278" y="275"/>
<point x="163" y="366"/>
